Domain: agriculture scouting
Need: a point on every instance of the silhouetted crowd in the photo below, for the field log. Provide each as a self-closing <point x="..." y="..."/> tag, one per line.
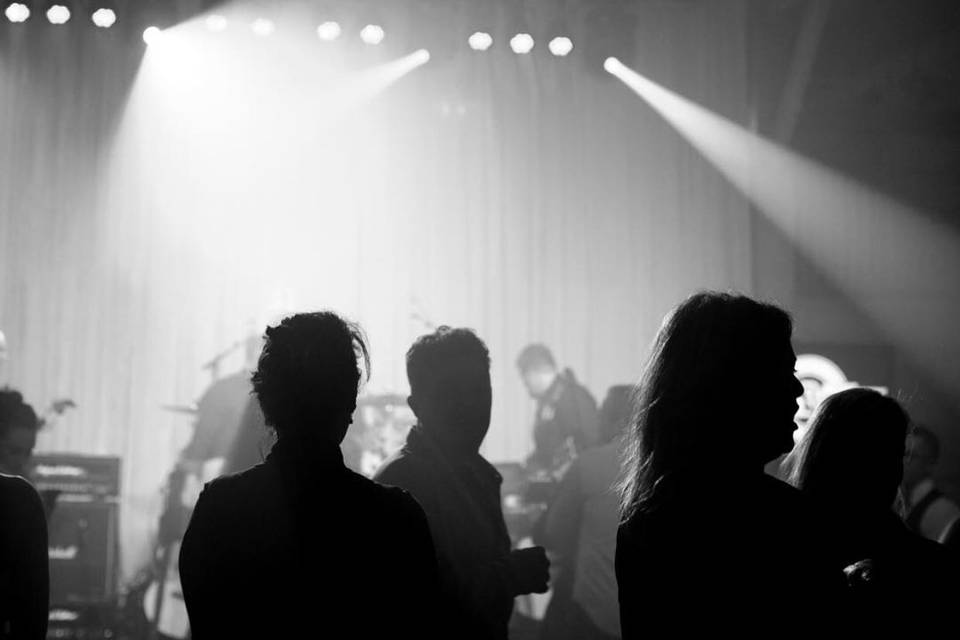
<point x="663" y="521"/>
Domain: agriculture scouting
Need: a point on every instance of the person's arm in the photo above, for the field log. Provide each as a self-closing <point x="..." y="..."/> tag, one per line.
<point x="482" y="587"/>
<point x="422" y="592"/>
<point x="205" y="570"/>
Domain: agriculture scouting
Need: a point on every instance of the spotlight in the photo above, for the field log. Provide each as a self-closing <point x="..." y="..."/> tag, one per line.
<point x="104" y="17"/>
<point x="263" y="27"/>
<point x="611" y="64"/>
<point x="421" y="56"/>
<point x="152" y="35"/>
<point x="329" y="31"/>
<point x="17" y="12"/>
<point x="58" y="13"/>
<point x="560" y="46"/>
<point x="216" y="22"/>
<point x="522" y="43"/>
<point x="480" y="41"/>
<point x="372" y="34"/>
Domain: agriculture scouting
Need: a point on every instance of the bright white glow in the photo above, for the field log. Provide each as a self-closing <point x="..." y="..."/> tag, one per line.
<point x="17" y="12"/>
<point x="560" y="46"/>
<point x="480" y="41"/>
<point x="612" y="65"/>
<point x="216" y="22"/>
<point x="58" y="14"/>
<point x="329" y="31"/>
<point x="263" y="27"/>
<point x="372" y="34"/>
<point x="104" y="18"/>
<point x="522" y="43"/>
<point x="895" y="248"/>
<point x="421" y="56"/>
<point x="152" y="35"/>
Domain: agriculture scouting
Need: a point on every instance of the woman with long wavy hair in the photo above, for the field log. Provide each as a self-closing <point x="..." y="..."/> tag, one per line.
<point x="707" y="540"/>
<point x="850" y="462"/>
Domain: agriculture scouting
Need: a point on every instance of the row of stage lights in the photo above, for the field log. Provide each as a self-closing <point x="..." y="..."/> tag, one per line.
<point x="372" y="34"/>
<point x="57" y="13"/>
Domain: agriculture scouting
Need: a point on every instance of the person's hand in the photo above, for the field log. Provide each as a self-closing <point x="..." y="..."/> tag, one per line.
<point x="531" y="570"/>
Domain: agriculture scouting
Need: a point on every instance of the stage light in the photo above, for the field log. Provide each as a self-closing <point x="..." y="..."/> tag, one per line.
<point x="522" y="43"/>
<point x="612" y="65"/>
<point x="372" y="34"/>
<point x="17" y="12"/>
<point x="104" y="17"/>
<point x="560" y="46"/>
<point x="152" y="35"/>
<point x="420" y="56"/>
<point x="216" y="22"/>
<point x="58" y="13"/>
<point x="329" y="31"/>
<point x="480" y="41"/>
<point x="262" y="27"/>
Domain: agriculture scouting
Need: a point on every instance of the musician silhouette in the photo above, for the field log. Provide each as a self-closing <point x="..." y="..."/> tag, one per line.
<point x="300" y="546"/>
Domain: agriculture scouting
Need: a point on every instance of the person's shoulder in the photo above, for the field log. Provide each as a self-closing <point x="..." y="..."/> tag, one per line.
<point x="389" y="499"/>
<point x="240" y="485"/>
<point x="400" y="469"/>
<point x="780" y="490"/>
<point x="18" y="491"/>
<point x="21" y="504"/>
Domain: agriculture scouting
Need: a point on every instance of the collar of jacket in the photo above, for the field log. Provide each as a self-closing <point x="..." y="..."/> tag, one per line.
<point x="420" y="442"/>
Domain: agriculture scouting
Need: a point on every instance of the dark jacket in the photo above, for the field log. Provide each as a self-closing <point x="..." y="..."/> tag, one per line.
<point x="300" y="546"/>
<point x="461" y="497"/>
<point x="906" y="570"/>
<point x="724" y="554"/>
<point x="24" y="576"/>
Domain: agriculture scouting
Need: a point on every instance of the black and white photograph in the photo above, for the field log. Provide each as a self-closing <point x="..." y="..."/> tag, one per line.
<point x="479" y="319"/>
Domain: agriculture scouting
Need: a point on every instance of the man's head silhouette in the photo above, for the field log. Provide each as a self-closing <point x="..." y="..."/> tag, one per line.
<point x="449" y="374"/>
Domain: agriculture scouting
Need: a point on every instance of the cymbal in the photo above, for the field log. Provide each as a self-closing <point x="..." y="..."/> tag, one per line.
<point x="189" y="409"/>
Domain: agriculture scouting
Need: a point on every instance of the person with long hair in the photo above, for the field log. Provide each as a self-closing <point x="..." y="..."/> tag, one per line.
<point x="707" y="540"/>
<point x="850" y="461"/>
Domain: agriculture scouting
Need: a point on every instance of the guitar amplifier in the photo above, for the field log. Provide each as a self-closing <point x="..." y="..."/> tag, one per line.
<point x="80" y="493"/>
<point x="83" y="550"/>
<point x="68" y="473"/>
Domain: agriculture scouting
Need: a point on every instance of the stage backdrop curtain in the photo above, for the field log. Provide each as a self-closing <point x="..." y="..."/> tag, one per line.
<point x="150" y="218"/>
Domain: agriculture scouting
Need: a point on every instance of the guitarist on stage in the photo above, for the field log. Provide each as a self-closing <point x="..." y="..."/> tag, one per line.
<point x="566" y="419"/>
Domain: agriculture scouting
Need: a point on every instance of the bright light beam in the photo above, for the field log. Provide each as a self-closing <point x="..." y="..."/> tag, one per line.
<point x="880" y="252"/>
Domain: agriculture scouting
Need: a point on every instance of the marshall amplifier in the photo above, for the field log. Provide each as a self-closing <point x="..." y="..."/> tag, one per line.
<point x="80" y="493"/>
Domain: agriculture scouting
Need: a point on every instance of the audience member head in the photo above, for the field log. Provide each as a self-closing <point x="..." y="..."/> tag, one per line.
<point x="922" y="454"/>
<point x="18" y="433"/>
<point x="718" y="395"/>
<point x="851" y="455"/>
<point x="616" y="411"/>
<point x="537" y="368"/>
<point x="450" y="393"/>
<point x="308" y="375"/>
